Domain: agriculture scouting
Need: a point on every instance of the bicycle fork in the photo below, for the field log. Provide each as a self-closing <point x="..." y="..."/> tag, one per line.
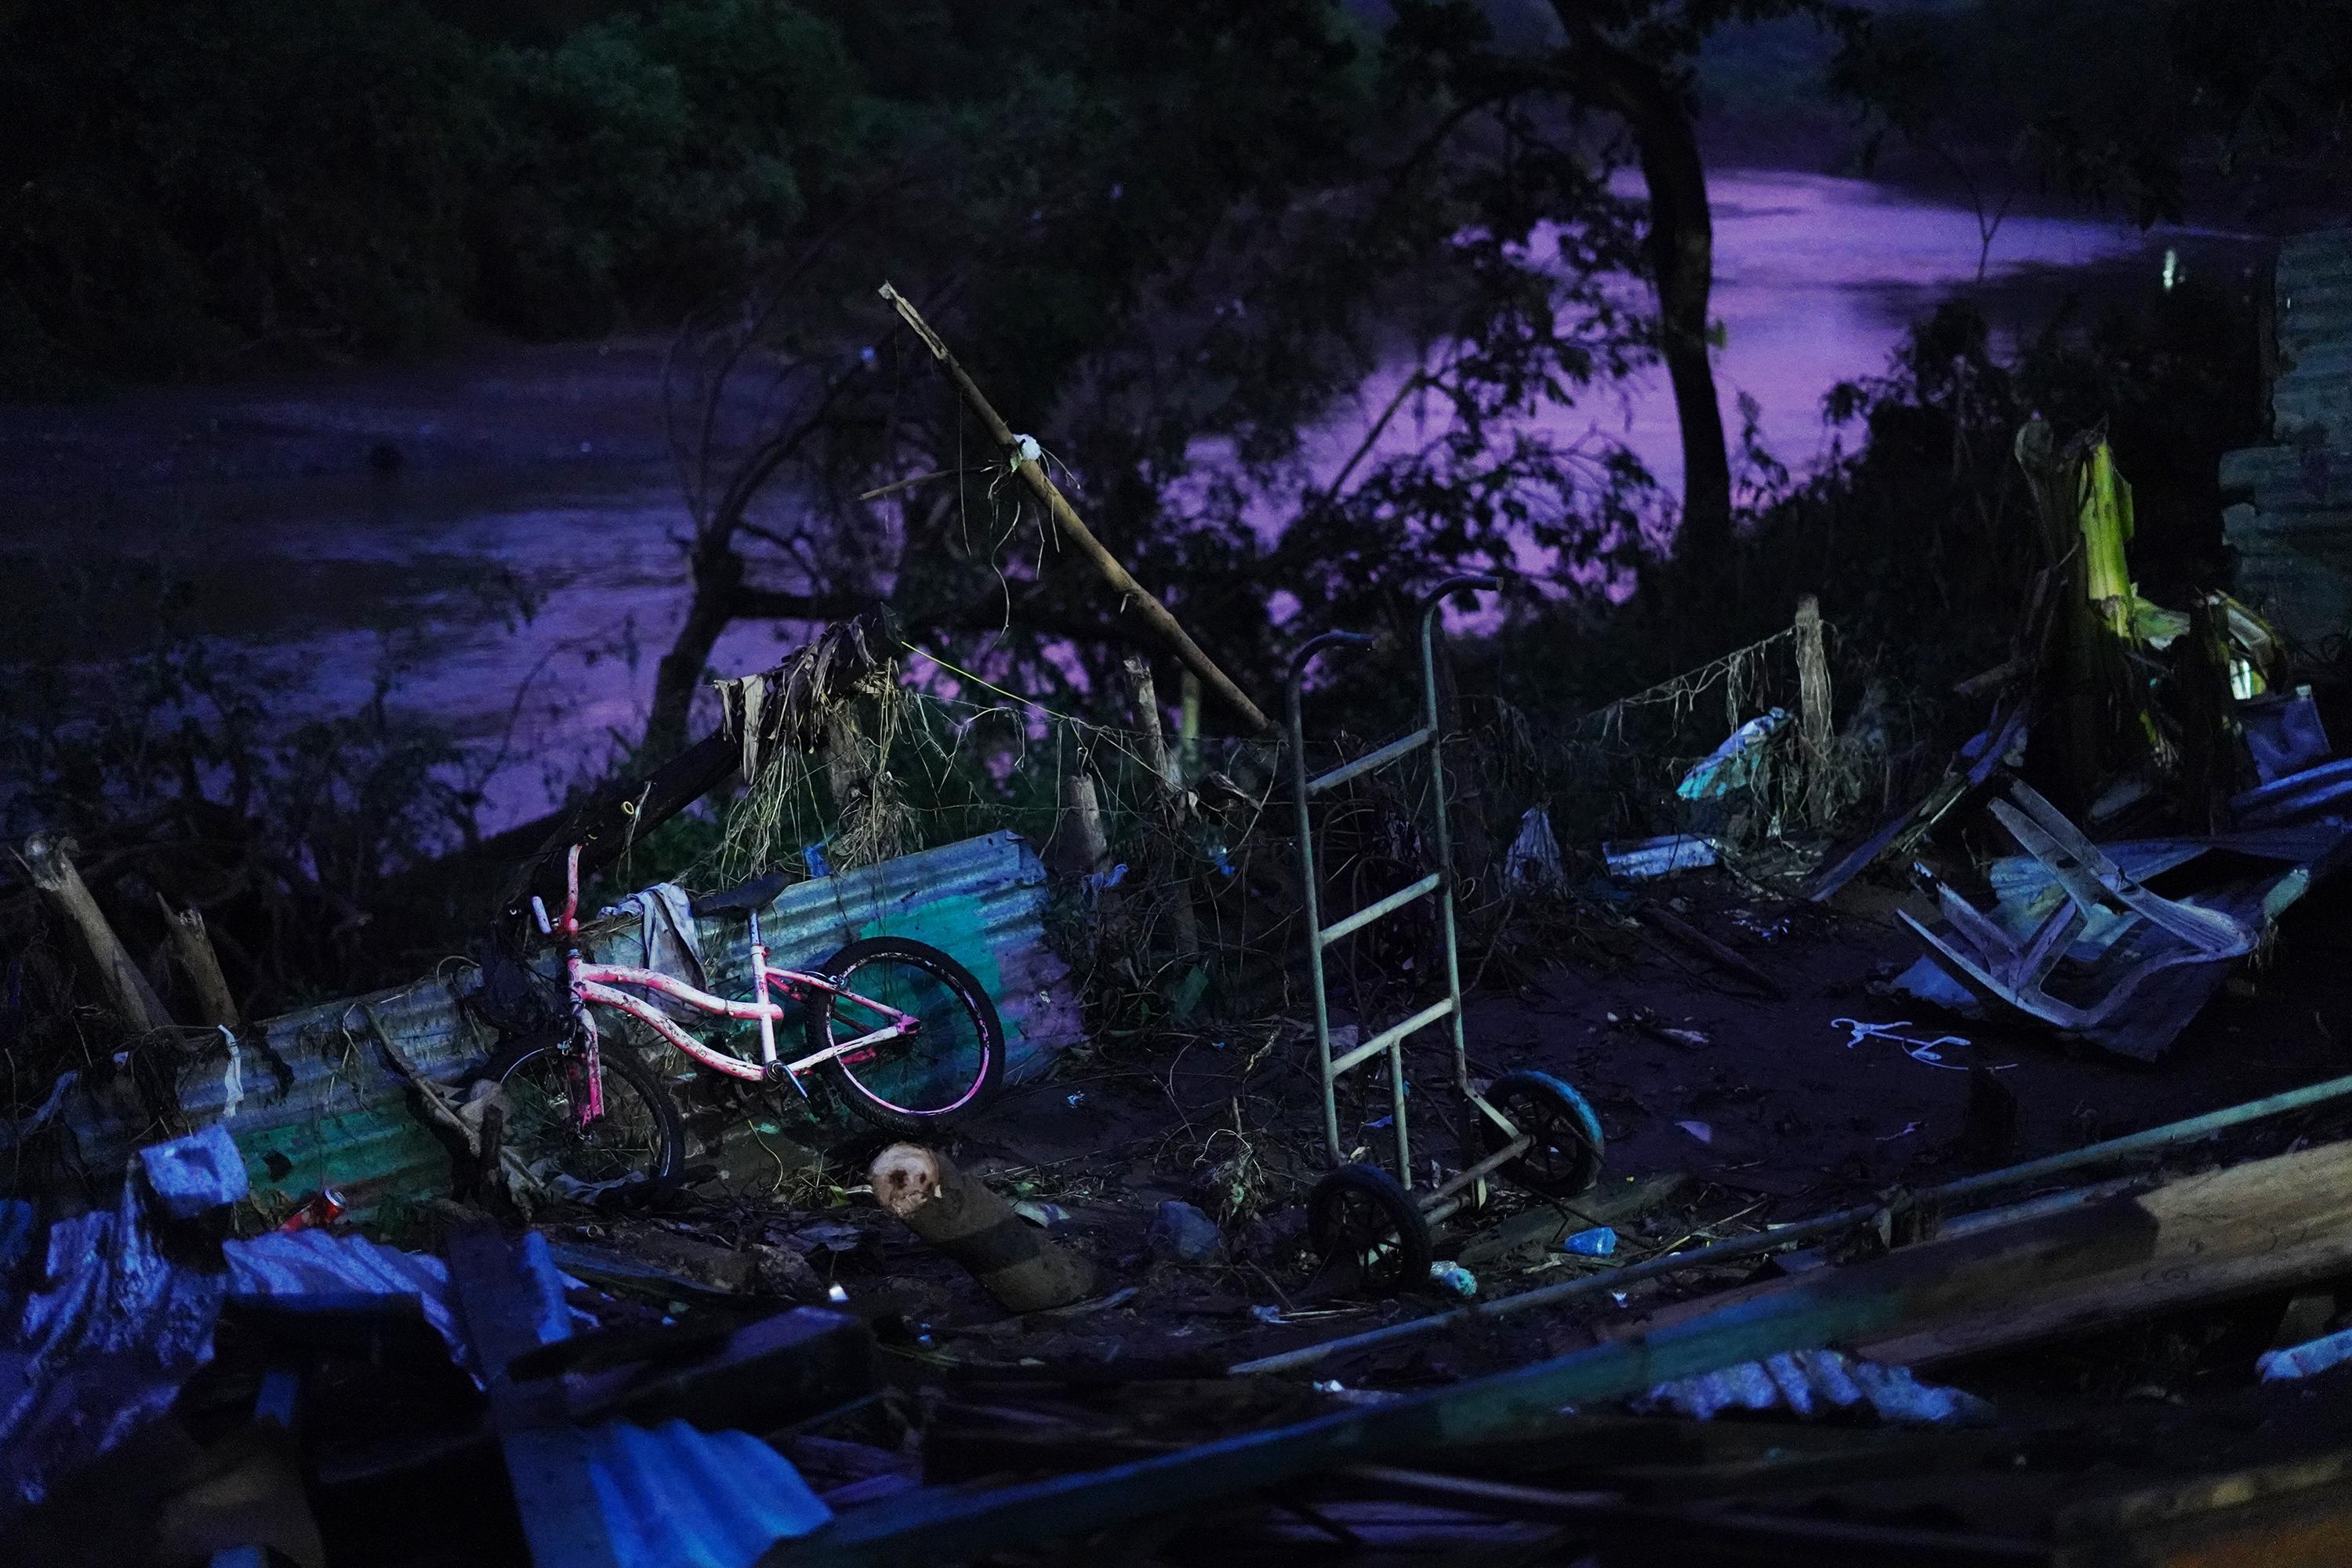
<point x="767" y="1014"/>
<point x="588" y="1098"/>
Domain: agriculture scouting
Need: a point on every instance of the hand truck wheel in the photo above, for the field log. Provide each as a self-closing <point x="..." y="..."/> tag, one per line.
<point x="1362" y="1214"/>
<point x="1565" y="1159"/>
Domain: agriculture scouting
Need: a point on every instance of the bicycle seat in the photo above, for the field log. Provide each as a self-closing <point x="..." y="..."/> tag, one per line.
<point x="755" y="894"/>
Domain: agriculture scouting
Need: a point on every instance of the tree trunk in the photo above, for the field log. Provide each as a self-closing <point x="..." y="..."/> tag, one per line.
<point x="717" y="580"/>
<point x="1681" y="245"/>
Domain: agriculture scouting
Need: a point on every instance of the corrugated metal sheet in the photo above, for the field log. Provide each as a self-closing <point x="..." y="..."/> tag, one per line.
<point x="1810" y="1385"/>
<point x="308" y="1262"/>
<point x="2292" y="521"/>
<point x="674" y="1496"/>
<point x="312" y="1103"/>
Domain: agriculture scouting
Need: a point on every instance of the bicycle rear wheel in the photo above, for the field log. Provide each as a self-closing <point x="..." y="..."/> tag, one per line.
<point x="638" y="1139"/>
<point x="946" y="1070"/>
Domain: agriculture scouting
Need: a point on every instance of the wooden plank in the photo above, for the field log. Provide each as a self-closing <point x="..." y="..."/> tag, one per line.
<point x="1780" y="1538"/>
<point x="2223" y="1234"/>
<point x="2293" y="1514"/>
<point x="2262" y="1225"/>
<point x="1541" y="1229"/>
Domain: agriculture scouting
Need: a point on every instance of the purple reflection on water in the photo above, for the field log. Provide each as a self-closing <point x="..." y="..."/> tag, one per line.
<point x="563" y="484"/>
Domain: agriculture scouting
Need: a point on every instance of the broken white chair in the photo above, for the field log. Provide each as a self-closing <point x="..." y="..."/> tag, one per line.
<point x="2099" y="900"/>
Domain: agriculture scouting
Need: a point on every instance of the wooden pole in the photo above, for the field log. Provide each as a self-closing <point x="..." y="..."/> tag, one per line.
<point x="1814" y="711"/>
<point x="1033" y="473"/>
<point x="200" y="963"/>
<point x="1188" y="727"/>
<point x="1165" y="785"/>
<point x="50" y="860"/>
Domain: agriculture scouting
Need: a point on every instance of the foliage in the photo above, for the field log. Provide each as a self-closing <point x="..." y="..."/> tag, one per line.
<point x="164" y="763"/>
<point x="2123" y="102"/>
<point x="197" y="185"/>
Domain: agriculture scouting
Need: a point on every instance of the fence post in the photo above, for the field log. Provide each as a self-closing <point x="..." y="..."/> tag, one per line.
<point x="1813" y="712"/>
<point x="1170" y="793"/>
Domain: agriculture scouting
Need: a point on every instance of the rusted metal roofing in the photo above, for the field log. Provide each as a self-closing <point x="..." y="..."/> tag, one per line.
<point x="2291" y="522"/>
<point x="312" y="1101"/>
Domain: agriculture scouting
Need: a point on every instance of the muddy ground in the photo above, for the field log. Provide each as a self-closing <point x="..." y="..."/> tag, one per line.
<point x="1799" y="1120"/>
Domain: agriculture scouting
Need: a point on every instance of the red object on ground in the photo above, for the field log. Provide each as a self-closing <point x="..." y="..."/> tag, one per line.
<point x="326" y="1206"/>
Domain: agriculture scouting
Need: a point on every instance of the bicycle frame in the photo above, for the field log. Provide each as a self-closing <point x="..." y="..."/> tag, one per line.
<point x="600" y="984"/>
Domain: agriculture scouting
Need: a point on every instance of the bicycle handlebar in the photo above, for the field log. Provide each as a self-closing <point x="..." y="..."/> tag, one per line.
<point x="571" y="892"/>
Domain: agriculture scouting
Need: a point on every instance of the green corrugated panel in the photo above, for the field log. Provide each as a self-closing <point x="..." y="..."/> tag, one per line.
<point x="313" y="1088"/>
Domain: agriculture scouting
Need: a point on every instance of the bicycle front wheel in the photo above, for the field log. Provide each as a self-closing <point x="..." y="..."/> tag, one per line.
<point x="947" y="1069"/>
<point x="639" y="1137"/>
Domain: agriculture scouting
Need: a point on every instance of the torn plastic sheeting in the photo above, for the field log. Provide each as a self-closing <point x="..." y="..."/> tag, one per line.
<point x="1812" y="1384"/>
<point x="667" y="937"/>
<point x="674" y="1496"/>
<point x="312" y="1103"/>
<point x="1735" y="763"/>
<point x="97" y="1346"/>
<point x="1638" y="859"/>
<point x="2284" y="735"/>
<point x="1532" y="863"/>
<point x="2311" y="1357"/>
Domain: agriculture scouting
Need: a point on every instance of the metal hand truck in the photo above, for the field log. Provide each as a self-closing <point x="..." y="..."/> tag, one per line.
<point x="1535" y="1129"/>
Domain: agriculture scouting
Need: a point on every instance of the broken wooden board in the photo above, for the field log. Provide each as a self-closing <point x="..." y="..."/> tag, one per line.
<point x="2222" y="1233"/>
<point x="2293" y="1514"/>
<point x="2263" y="1226"/>
<point x="1528" y="1235"/>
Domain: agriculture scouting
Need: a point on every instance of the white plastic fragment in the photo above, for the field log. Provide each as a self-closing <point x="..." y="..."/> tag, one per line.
<point x="2304" y="1359"/>
<point x="1639" y="858"/>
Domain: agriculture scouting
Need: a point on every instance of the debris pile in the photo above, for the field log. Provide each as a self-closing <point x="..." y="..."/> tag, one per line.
<point x="1740" y="1144"/>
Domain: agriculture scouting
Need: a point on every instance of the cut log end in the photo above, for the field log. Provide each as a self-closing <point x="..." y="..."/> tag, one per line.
<point x="906" y="1176"/>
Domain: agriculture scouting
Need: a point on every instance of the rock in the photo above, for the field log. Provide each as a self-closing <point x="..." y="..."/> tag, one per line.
<point x="1182" y="1234"/>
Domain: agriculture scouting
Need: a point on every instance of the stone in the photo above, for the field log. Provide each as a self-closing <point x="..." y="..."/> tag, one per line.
<point x="1184" y="1233"/>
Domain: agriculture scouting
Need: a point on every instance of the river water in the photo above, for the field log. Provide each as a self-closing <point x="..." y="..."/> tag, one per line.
<point x="547" y="469"/>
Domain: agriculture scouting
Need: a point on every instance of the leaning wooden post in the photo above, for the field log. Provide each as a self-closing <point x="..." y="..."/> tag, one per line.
<point x="50" y="860"/>
<point x="200" y="963"/>
<point x="1014" y="1261"/>
<point x="1813" y="712"/>
<point x="1170" y="793"/>
<point x="1033" y="473"/>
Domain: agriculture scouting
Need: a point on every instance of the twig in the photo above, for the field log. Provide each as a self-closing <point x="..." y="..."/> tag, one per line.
<point x="1722" y="957"/>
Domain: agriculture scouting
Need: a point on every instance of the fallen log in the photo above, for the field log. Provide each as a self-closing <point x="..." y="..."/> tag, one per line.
<point x="1014" y="1261"/>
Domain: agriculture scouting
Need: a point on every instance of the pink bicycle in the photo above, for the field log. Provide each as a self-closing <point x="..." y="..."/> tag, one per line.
<point x="905" y="1034"/>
